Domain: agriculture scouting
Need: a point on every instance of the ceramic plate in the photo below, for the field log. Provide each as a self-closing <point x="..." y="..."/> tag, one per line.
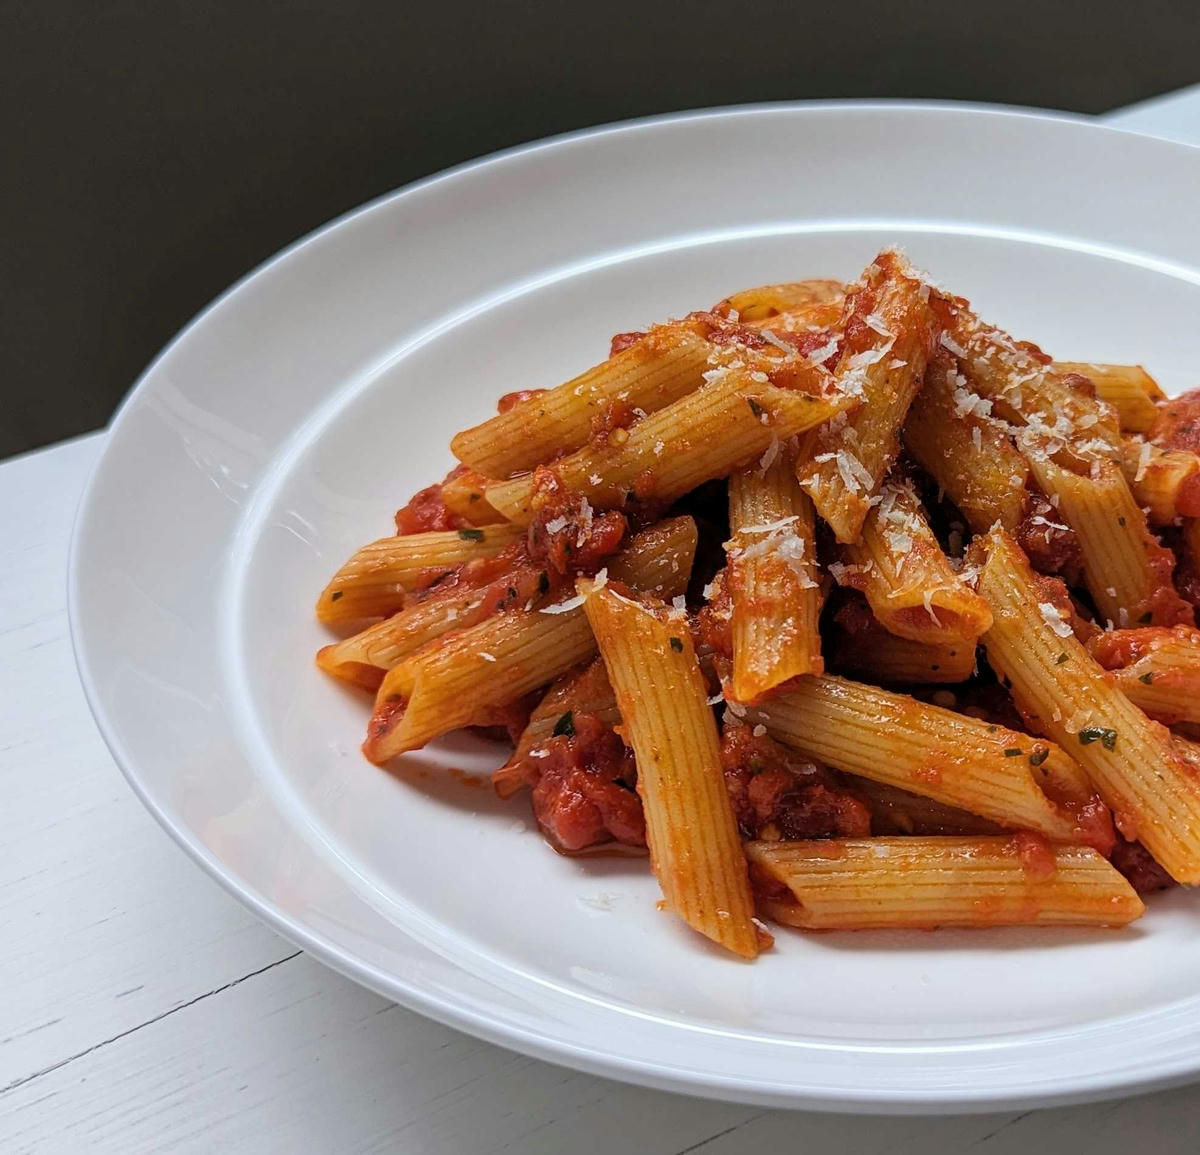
<point x="282" y="428"/>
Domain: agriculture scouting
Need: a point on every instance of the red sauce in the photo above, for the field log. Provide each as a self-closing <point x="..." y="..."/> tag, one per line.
<point x="1134" y="861"/>
<point x="1187" y="496"/>
<point x="623" y="341"/>
<point x="617" y="414"/>
<point x="807" y="342"/>
<point x="1178" y="423"/>
<point x="1051" y="550"/>
<point x="776" y="794"/>
<point x="426" y="511"/>
<point x="565" y="534"/>
<point x="712" y="630"/>
<point x="518" y="397"/>
<point x="506" y="721"/>
<point x="1117" y="649"/>
<point x="1163" y="606"/>
<point x="1035" y="854"/>
<point x="583" y="789"/>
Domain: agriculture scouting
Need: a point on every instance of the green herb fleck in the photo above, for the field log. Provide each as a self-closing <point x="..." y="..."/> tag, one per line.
<point x="565" y="726"/>
<point x="677" y="645"/>
<point x="1102" y="734"/>
<point x="1061" y="658"/>
<point x="1013" y="752"/>
<point x="1145" y="679"/>
<point x="1039" y="755"/>
<point x="1146" y="618"/>
<point x="755" y="407"/>
<point x="333" y="597"/>
<point x="1120" y="521"/>
<point x="471" y="534"/>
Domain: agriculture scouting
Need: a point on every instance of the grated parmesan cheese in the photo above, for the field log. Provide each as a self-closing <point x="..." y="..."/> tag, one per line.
<point x="1055" y="620"/>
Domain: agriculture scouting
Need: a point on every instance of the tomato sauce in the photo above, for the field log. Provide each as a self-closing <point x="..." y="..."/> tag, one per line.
<point x="426" y="511"/>
<point x="776" y="794"/>
<point x="517" y="397"/>
<point x="565" y="534"/>
<point x="1178" y="423"/>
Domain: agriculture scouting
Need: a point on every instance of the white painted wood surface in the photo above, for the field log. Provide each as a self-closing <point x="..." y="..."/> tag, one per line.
<point x="143" y="1010"/>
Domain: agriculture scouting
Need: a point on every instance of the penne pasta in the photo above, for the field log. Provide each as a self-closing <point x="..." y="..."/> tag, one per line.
<point x="955" y="759"/>
<point x="364" y="658"/>
<point x="459" y="679"/>
<point x="907" y="580"/>
<point x="695" y="851"/>
<point x="970" y="454"/>
<point x="465" y="496"/>
<point x="1129" y="389"/>
<point x="1135" y="764"/>
<point x="1157" y="670"/>
<point x="1164" y="482"/>
<point x="1127" y="572"/>
<point x="896" y="811"/>
<point x="878" y="883"/>
<point x="706" y="435"/>
<point x="860" y="646"/>
<point x="889" y="334"/>
<point x="772" y="579"/>
<point x="373" y="582"/>
<point x="584" y="691"/>
<point x="766" y="302"/>
<point x="1025" y="389"/>
<point x="663" y="366"/>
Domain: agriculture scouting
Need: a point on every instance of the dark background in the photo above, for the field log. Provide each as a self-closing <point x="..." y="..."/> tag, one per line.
<point x="156" y="151"/>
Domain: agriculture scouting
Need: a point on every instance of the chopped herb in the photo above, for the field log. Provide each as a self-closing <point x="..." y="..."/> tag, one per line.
<point x="1039" y="755"/>
<point x="1013" y="752"/>
<point x="677" y="645"/>
<point x="543" y="583"/>
<point x="512" y="591"/>
<point x="1145" y="679"/>
<point x="1120" y="521"/>
<point x="756" y="766"/>
<point x="565" y="726"/>
<point x="1102" y="734"/>
<point x="333" y="597"/>
<point x="1063" y="657"/>
<point x="471" y="534"/>
<point x="992" y="729"/>
<point x="475" y="497"/>
<point x="755" y="407"/>
<point x="1146" y="618"/>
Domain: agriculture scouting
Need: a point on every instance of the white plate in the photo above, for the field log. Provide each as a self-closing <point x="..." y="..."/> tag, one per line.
<point x="282" y="428"/>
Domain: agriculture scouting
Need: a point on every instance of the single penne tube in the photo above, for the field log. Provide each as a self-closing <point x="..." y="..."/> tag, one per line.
<point x="889" y="331"/>
<point x="964" y="762"/>
<point x="465" y="496"/>
<point x="583" y="691"/>
<point x="1129" y="389"/>
<point x="951" y="435"/>
<point x="773" y="578"/>
<point x="898" y="565"/>
<point x="927" y="882"/>
<point x="1135" y="763"/>
<point x="1025" y="389"/>
<point x="705" y="435"/>
<point x="695" y="851"/>
<point x="895" y="811"/>
<point x="1158" y="670"/>
<point x="374" y="581"/>
<point x="762" y="304"/>
<point x="458" y="679"/>
<point x="663" y="366"/>
<point x="868" y="650"/>
<point x="365" y="657"/>
<point x="1164" y="482"/>
<point x="1126" y="570"/>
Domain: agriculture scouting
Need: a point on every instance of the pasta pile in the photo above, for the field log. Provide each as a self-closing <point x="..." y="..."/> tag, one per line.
<point x="850" y="608"/>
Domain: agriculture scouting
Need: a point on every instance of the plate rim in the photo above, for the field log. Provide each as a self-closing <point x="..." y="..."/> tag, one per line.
<point x="626" y="1068"/>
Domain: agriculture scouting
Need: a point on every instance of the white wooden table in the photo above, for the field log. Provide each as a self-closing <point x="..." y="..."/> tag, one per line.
<point x="141" y="1009"/>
